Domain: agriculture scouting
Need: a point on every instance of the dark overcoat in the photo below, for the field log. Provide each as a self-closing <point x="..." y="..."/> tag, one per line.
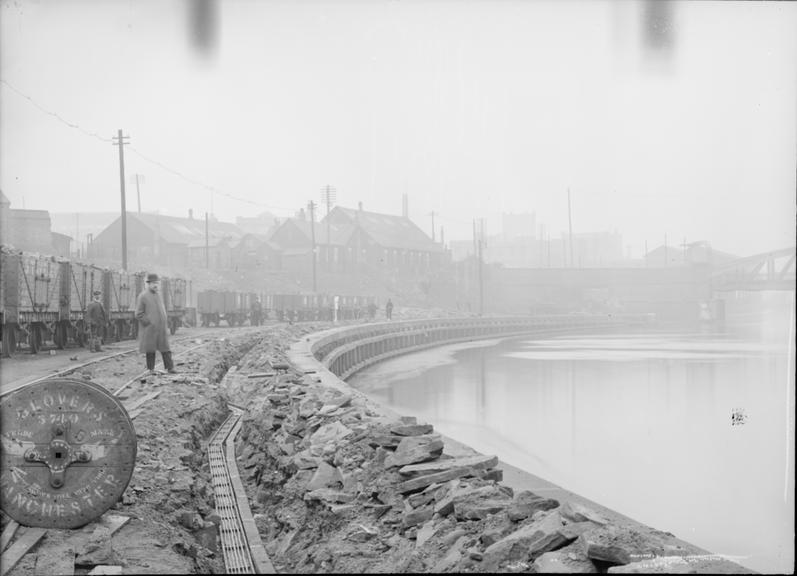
<point x="153" y="335"/>
<point x="95" y="314"/>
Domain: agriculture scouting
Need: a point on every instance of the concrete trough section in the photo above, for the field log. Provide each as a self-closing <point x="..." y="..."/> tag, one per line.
<point x="344" y="351"/>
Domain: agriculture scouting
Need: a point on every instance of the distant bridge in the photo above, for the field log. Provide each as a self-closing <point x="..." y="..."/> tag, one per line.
<point x="766" y="271"/>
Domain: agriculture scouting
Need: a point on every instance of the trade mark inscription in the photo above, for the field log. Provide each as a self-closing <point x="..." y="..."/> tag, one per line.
<point x="67" y="453"/>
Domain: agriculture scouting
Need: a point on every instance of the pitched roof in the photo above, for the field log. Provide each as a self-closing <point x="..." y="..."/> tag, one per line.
<point x="338" y="235"/>
<point x="387" y="230"/>
<point x="187" y="230"/>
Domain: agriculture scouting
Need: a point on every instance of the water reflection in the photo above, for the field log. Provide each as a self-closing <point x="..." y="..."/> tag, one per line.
<point x="643" y="423"/>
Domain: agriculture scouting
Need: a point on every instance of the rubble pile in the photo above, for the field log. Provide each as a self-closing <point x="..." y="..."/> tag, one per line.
<point x="337" y="485"/>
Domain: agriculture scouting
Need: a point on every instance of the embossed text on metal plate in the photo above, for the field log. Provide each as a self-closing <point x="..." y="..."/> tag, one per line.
<point x="68" y="452"/>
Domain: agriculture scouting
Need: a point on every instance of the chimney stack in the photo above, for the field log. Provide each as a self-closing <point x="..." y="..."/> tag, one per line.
<point x="405" y="211"/>
<point x="190" y="213"/>
<point x="360" y="206"/>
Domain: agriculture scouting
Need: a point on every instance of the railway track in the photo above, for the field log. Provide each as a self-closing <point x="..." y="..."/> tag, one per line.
<point x="135" y="392"/>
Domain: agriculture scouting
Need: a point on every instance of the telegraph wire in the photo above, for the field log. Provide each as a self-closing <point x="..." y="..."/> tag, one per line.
<point x="139" y="153"/>
<point x="55" y="114"/>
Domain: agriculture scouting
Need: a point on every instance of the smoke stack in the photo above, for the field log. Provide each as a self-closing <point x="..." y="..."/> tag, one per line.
<point x="360" y="206"/>
<point x="405" y="210"/>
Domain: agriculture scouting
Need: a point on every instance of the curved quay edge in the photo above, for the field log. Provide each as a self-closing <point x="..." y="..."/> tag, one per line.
<point x="335" y="354"/>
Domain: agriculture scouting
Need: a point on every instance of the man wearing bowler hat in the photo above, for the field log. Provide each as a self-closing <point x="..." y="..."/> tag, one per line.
<point x="153" y="333"/>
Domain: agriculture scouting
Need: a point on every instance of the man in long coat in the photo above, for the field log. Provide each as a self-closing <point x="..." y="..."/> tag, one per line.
<point x="153" y="333"/>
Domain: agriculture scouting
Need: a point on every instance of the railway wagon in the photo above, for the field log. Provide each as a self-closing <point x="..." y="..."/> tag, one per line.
<point x="77" y="287"/>
<point x="32" y="305"/>
<point x="213" y="306"/>
<point x="45" y="298"/>
<point x="174" y="294"/>
<point x="119" y="293"/>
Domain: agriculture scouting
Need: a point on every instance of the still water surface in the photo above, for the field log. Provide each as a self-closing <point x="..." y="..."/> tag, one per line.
<point x="688" y="433"/>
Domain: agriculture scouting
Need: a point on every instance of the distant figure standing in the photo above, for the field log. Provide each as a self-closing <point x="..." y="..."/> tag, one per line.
<point x="95" y="320"/>
<point x="153" y="333"/>
<point x="371" y="310"/>
<point x="389" y="309"/>
<point x="257" y="312"/>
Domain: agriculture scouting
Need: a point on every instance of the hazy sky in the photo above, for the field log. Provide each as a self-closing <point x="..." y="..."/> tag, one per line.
<point x="686" y="126"/>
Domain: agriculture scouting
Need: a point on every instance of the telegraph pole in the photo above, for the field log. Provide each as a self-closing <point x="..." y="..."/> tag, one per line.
<point x="570" y="222"/>
<point x="119" y="140"/>
<point x="207" y="247"/>
<point x="328" y="194"/>
<point x="311" y="207"/>
<point x="138" y="178"/>
<point x="481" y="266"/>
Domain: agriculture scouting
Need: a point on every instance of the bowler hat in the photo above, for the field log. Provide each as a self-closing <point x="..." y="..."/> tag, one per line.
<point x="152" y="277"/>
<point x="97" y="293"/>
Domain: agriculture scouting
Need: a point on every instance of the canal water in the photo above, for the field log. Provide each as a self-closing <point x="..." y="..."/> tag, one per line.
<point x="688" y="432"/>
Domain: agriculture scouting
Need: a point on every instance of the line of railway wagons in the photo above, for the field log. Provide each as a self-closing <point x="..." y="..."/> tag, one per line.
<point x="43" y="298"/>
<point x="237" y="308"/>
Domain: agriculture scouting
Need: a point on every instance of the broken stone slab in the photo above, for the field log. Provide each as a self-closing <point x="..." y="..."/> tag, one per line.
<point x="208" y="536"/>
<point x="427" y="495"/>
<point x="414" y="449"/>
<point x="415" y="517"/>
<point x="491" y="536"/>
<point x="415" y="484"/>
<point x="561" y="562"/>
<point x="384" y="440"/>
<point x="328" y="495"/>
<point x="331" y="432"/>
<point x="458" y="493"/>
<point x="190" y="520"/>
<point x="576" y="529"/>
<point x="526" y="503"/>
<point x="96" y="553"/>
<point x="479" y="509"/>
<point x="326" y="476"/>
<point x="479" y="462"/>
<point x="424" y="533"/>
<point x="411" y="429"/>
<point x="527" y="542"/>
<point x="363" y="533"/>
<point x="605" y="549"/>
<point x="452" y="557"/>
<point x="580" y="513"/>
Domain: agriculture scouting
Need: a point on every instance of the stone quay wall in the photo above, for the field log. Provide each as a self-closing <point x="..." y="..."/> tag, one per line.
<point x="344" y="351"/>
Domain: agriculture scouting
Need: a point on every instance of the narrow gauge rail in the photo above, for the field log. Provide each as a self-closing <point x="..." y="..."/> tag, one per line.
<point x="232" y="513"/>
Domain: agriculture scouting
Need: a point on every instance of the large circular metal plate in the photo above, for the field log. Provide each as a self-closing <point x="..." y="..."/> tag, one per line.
<point x="68" y="452"/>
